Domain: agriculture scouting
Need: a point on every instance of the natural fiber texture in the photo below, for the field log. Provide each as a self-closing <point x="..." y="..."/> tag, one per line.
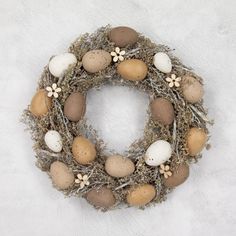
<point x="77" y="79"/>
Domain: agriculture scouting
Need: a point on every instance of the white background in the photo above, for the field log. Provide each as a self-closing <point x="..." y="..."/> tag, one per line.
<point x="203" y="32"/>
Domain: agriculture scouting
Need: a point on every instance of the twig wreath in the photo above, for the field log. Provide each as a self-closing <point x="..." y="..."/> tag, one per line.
<point x="69" y="149"/>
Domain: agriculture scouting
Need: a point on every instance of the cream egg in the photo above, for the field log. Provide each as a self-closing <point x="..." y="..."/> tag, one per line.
<point x="58" y="64"/>
<point x="162" y="62"/>
<point x="158" y="153"/>
<point x="53" y="140"/>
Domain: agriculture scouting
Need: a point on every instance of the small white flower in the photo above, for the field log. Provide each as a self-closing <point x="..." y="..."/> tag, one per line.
<point x="118" y="54"/>
<point x="173" y="81"/>
<point x="53" y="91"/>
<point x="165" y="170"/>
<point x="82" y="180"/>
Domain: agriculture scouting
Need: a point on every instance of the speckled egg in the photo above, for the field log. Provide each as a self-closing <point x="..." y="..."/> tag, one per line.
<point x="178" y="177"/>
<point x="74" y="107"/>
<point x="62" y="176"/>
<point x="40" y="103"/>
<point x="140" y="195"/>
<point x="158" y="153"/>
<point x="53" y="140"/>
<point x="102" y="197"/>
<point x="123" y="36"/>
<point x="60" y="63"/>
<point x="96" y="60"/>
<point x="162" y="110"/>
<point x="118" y="166"/>
<point x="162" y="62"/>
<point x="192" y="89"/>
<point x="132" y="69"/>
<point x="83" y="150"/>
<point x="196" y="140"/>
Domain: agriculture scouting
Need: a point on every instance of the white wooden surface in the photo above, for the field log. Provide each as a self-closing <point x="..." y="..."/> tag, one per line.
<point x="204" y="35"/>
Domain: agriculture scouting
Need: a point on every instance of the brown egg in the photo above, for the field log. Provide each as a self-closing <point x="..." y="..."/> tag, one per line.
<point x="102" y="197"/>
<point x="140" y="195"/>
<point x="74" y="107"/>
<point x="40" y="103"/>
<point x="192" y="89"/>
<point x="83" y="150"/>
<point x="162" y="110"/>
<point x="132" y="69"/>
<point x="96" y="60"/>
<point x="118" y="166"/>
<point x="61" y="175"/>
<point x="196" y="141"/>
<point x="178" y="176"/>
<point x="123" y="36"/>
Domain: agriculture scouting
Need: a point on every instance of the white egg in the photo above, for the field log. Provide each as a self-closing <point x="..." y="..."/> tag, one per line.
<point x="158" y="153"/>
<point x="53" y="140"/>
<point x="60" y="63"/>
<point x="162" y="62"/>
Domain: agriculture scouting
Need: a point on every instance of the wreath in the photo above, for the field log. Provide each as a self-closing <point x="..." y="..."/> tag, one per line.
<point x="71" y="152"/>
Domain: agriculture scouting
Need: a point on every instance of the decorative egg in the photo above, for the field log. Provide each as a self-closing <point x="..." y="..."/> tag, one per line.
<point x="83" y="150"/>
<point x="40" y="103"/>
<point x="162" y="62"/>
<point x="196" y="140"/>
<point x="178" y="176"/>
<point x="140" y="195"/>
<point x="102" y="197"/>
<point x="96" y="60"/>
<point x="132" y="69"/>
<point x="123" y="36"/>
<point x="62" y="176"/>
<point x="74" y="107"/>
<point x="192" y="89"/>
<point x="158" y="153"/>
<point x="60" y="63"/>
<point x="53" y="140"/>
<point x="162" y="110"/>
<point x="118" y="166"/>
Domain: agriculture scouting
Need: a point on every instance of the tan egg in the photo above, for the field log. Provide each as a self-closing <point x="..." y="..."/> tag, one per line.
<point x="61" y="175"/>
<point x="118" y="166"/>
<point x="74" y="107"/>
<point x="96" y="60"/>
<point x="163" y="111"/>
<point x="40" y="103"/>
<point x="192" y="89"/>
<point x="83" y="150"/>
<point x="123" y="36"/>
<point x="178" y="176"/>
<point x="140" y="195"/>
<point x="132" y="69"/>
<point x="196" y="140"/>
<point x="102" y="197"/>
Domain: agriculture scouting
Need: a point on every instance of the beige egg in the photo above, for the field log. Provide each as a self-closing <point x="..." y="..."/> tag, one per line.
<point x="83" y="150"/>
<point x="163" y="111"/>
<point x="123" y="36"/>
<point x="140" y="195"/>
<point x="118" y="166"/>
<point x="96" y="60"/>
<point x="102" y="197"/>
<point x="178" y="177"/>
<point x="74" y="107"/>
<point x="40" y="103"/>
<point x="61" y="175"/>
<point x="132" y="69"/>
<point x="192" y="89"/>
<point x="196" y="140"/>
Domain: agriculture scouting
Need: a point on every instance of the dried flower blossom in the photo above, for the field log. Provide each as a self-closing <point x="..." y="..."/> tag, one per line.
<point x="53" y="91"/>
<point x="173" y="81"/>
<point x="118" y="54"/>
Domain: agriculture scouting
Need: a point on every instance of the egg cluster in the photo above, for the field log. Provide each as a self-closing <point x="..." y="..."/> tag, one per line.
<point x="83" y="152"/>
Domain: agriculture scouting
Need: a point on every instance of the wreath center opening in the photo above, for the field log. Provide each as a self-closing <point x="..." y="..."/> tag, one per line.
<point x="119" y="114"/>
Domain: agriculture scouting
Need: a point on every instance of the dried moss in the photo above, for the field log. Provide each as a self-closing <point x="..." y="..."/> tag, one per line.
<point x="77" y="79"/>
